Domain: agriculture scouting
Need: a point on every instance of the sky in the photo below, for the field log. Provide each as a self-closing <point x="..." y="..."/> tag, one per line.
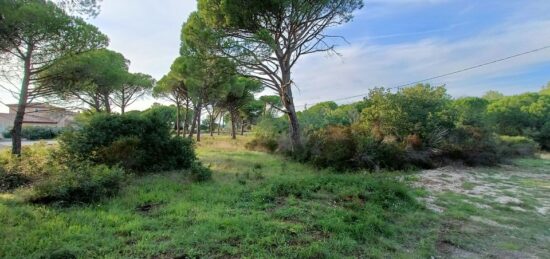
<point x="388" y="43"/>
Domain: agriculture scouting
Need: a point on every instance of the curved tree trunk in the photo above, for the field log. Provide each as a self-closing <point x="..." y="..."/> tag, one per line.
<point x="195" y="117"/>
<point x="21" y="107"/>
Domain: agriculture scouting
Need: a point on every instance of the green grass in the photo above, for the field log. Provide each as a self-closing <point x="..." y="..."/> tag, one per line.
<point x="258" y="205"/>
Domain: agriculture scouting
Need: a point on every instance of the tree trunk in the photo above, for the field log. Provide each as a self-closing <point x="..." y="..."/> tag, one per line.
<point x="186" y="122"/>
<point x="194" y="122"/>
<point x="107" y="103"/>
<point x="21" y="107"/>
<point x="212" y="119"/>
<point x="233" y="126"/>
<point x="178" y="120"/>
<point x="242" y="127"/>
<point x="288" y="102"/>
<point x="220" y="123"/>
<point x="199" y="125"/>
<point x="123" y="103"/>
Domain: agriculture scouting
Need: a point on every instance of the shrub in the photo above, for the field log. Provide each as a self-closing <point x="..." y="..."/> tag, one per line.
<point x="83" y="183"/>
<point x="134" y="141"/>
<point x="9" y="181"/>
<point x="35" y="161"/>
<point x="513" y="146"/>
<point x="267" y="134"/>
<point x="331" y="147"/>
<point x="374" y="154"/>
<point x="543" y="136"/>
<point x="200" y="173"/>
<point x="472" y="145"/>
<point x="6" y="134"/>
<point x="36" y="133"/>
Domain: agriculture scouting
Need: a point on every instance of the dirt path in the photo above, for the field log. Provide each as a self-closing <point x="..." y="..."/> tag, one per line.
<point x="499" y="212"/>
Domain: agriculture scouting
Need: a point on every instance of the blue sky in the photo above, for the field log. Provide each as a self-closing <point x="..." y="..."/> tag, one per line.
<point x="391" y="42"/>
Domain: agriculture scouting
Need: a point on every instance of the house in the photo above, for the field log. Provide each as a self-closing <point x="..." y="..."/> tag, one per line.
<point x="38" y="115"/>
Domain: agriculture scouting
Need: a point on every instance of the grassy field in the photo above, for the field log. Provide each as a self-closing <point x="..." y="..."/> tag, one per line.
<point x="260" y="206"/>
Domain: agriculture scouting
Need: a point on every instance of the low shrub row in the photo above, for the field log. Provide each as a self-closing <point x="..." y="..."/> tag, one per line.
<point x="37" y="133"/>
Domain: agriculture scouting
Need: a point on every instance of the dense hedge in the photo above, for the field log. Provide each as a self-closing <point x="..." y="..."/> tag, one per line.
<point x="37" y="133"/>
<point x="132" y="141"/>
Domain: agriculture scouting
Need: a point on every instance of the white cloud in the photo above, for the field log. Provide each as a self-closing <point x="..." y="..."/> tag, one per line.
<point x="364" y="65"/>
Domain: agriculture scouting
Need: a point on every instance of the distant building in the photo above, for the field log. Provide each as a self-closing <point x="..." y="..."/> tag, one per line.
<point x="38" y="114"/>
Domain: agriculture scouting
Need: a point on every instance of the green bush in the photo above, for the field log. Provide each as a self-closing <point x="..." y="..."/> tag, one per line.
<point x="543" y="136"/>
<point x="331" y="147"/>
<point x="200" y="173"/>
<point x="35" y="161"/>
<point x="267" y="134"/>
<point x="83" y="183"/>
<point x="6" y="134"/>
<point x="514" y="146"/>
<point x="37" y="133"/>
<point x="137" y="142"/>
<point x="9" y="181"/>
<point x="472" y="145"/>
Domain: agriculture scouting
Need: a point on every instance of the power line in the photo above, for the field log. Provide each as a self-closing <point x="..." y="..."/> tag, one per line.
<point x="444" y="75"/>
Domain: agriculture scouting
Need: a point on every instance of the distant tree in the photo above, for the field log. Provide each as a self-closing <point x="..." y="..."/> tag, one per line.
<point x="135" y="86"/>
<point x="240" y="93"/>
<point x="36" y="33"/>
<point x="523" y="115"/>
<point x="205" y="72"/>
<point x="267" y="38"/>
<point x="251" y="113"/>
<point x="92" y="78"/>
<point x="471" y="111"/>
<point x="422" y="110"/>
<point x="492" y="95"/>
<point x="172" y="88"/>
<point x="317" y="116"/>
<point x="167" y="114"/>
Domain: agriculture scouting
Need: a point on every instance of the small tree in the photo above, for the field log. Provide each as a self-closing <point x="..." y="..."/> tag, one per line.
<point x="36" y="34"/>
<point x="175" y="90"/>
<point x="240" y="93"/>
